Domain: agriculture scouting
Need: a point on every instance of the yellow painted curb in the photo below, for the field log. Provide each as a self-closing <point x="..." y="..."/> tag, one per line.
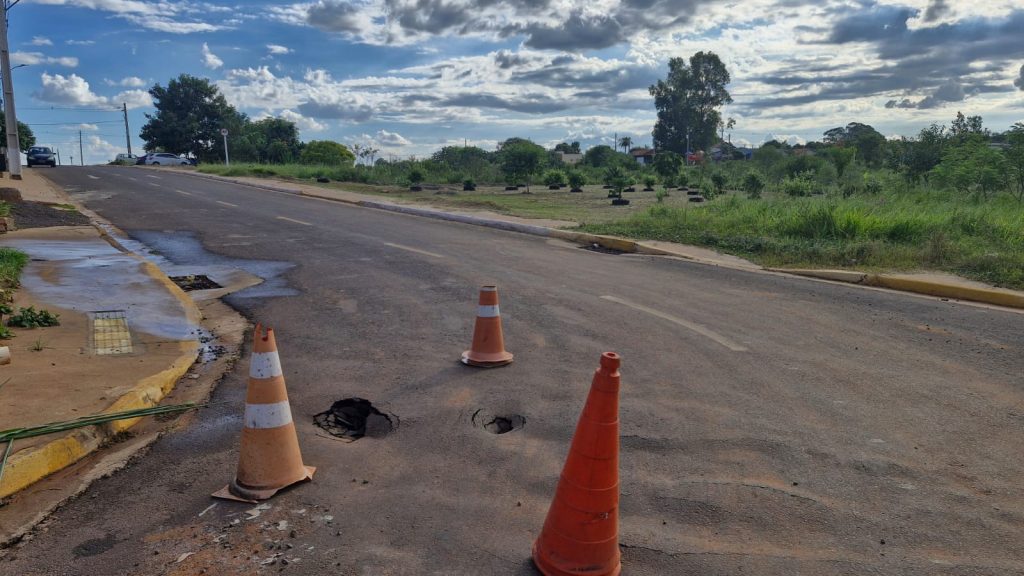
<point x="29" y="466"/>
<point x="996" y="296"/>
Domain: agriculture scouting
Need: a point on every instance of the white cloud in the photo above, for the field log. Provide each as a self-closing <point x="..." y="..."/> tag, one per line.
<point x="79" y="42"/>
<point x="210" y="60"/>
<point x="161" y="16"/>
<point x="305" y="124"/>
<point x="278" y="49"/>
<point x="133" y="99"/>
<point x="90" y="127"/>
<point x="72" y="90"/>
<point x="41" y="41"/>
<point x="99" y="151"/>
<point x="37" y="58"/>
<point x="395" y="139"/>
<point x="127" y="82"/>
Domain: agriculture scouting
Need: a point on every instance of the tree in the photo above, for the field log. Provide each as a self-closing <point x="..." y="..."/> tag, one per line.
<point x="190" y="113"/>
<point x="554" y="178"/>
<point x="1015" y="158"/>
<point x="576" y="181"/>
<point x="26" y="139"/>
<point x="688" y="102"/>
<point x="667" y="165"/>
<point x="753" y="184"/>
<point x="869" y="143"/>
<point x="326" y="152"/>
<point x="625" y="142"/>
<point x="973" y="167"/>
<point x="567" y="148"/>
<point x="617" y="179"/>
<point x="841" y="157"/>
<point x="600" y="156"/>
<point x="520" y="160"/>
<point x="965" y="126"/>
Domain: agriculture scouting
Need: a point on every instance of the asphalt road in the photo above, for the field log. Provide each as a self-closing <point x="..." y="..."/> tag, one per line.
<point x="769" y="425"/>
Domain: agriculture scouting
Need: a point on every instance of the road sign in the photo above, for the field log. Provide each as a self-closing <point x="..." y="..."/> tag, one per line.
<point x="223" y="131"/>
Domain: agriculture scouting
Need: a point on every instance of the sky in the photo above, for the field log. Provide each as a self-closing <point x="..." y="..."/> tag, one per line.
<point x="410" y="76"/>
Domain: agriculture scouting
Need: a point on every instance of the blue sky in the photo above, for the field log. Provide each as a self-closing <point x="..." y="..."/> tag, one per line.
<point x="409" y="76"/>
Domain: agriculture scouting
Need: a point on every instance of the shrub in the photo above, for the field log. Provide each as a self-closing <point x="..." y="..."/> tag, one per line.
<point x="797" y="186"/>
<point x="683" y="178"/>
<point x="554" y="178"/>
<point x="415" y="177"/>
<point x="753" y="184"/>
<point x="660" y="195"/>
<point x="718" y="180"/>
<point x="31" y="318"/>
<point x="576" y="180"/>
<point x="650" y="181"/>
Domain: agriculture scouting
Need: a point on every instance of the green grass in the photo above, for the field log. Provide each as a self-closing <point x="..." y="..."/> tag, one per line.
<point x="5" y="209"/>
<point x="11" y="263"/>
<point x="906" y="231"/>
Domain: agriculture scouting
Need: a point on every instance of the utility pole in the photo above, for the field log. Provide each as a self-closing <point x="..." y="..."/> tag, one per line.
<point x="127" y="135"/>
<point x="58" y="157"/>
<point x="224" y="133"/>
<point x="81" y="155"/>
<point x="13" y="147"/>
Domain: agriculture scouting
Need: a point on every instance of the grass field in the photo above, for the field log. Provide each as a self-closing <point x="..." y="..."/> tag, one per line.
<point x="915" y="230"/>
<point x="11" y="263"/>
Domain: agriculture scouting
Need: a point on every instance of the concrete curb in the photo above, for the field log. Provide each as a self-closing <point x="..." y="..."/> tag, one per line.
<point x="996" y="296"/>
<point x="999" y="297"/>
<point x="26" y="467"/>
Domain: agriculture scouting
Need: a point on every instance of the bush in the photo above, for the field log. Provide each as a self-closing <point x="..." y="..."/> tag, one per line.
<point x="415" y="177"/>
<point x="798" y="186"/>
<point x="650" y="181"/>
<point x="719" y="181"/>
<point x="31" y="318"/>
<point x="554" y="178"/>
<point x="660" y="195"/>
<point x="753" y="184"/>
<point x="683" y="178"/>
<point x="576" y="180"/>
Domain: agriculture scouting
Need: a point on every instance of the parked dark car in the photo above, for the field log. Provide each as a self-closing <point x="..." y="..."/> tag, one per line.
<point x="41" y="156"/>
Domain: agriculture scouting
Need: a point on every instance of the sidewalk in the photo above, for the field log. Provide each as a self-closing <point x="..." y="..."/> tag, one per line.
<point x="126" y="335"/>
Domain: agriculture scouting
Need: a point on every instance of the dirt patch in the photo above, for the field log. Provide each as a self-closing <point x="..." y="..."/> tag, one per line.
<point x="40" y="215"/>
<point x="95" y="546"/>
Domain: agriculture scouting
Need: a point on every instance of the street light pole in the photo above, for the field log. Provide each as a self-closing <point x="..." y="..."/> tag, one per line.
<point x="11" y="120"/>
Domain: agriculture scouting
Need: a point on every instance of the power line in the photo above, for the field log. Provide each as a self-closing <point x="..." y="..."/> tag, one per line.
<point x="71" y="123"/>
<point x="72" y="109"/>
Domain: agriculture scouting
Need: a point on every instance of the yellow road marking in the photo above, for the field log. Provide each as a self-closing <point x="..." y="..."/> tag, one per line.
<point x="416" y="250"/>
<point x="684" y="323"/>
<point x="227" y="204"/>
<point x="294" y="220"/>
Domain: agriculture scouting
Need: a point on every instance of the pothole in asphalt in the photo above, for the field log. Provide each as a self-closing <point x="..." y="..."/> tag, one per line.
<point x="593" y="247"/>
<point x="194" y="282"/>
<point x="498" y="424"/>
<point x="352" y="418"/>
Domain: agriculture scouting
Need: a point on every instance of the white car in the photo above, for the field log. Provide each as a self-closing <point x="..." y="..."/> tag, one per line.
<point x="165" y="159"/>
<point x="126" y="159"/>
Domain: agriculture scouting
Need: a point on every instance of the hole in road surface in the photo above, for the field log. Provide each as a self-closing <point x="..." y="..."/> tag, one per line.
<point x="353" y="418"/>
<point x="194" y="282"/>
<point x="496" y="424"/>
<point x="601" y="249"/>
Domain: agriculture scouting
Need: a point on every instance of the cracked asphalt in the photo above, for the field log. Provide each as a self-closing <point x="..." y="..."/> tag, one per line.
<point x="769" y="425"/>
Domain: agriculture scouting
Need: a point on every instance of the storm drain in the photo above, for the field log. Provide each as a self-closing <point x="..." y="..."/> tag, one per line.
<point x="595" y="247"/>
<point x="352" y="418"/>
<point x="110" y="334"/>
<point x="498" y="424"/>
<point x="194" y="282"/>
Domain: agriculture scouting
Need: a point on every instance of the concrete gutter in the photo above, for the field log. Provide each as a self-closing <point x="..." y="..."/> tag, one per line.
<point x="904" y="283"/>
<point x="28" y="466"/>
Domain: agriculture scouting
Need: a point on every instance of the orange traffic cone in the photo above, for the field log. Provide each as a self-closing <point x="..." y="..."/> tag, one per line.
<point x="269" y="459"/>
<point x="581" y="532"/>
<point x="488" y="348"/>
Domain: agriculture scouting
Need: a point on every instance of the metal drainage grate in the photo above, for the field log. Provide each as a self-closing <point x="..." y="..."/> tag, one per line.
<point x="110" y="334"/>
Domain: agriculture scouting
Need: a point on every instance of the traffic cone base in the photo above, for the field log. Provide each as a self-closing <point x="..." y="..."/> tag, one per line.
<point x="488" y="349"/>
<point x="581" y="531"/>
<point x="269" y="458"/>
<point x="237" y="492"/>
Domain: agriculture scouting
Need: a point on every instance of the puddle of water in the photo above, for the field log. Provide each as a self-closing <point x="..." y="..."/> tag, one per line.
<point x="92" y="275"/>
<point x="181" y="254"/>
